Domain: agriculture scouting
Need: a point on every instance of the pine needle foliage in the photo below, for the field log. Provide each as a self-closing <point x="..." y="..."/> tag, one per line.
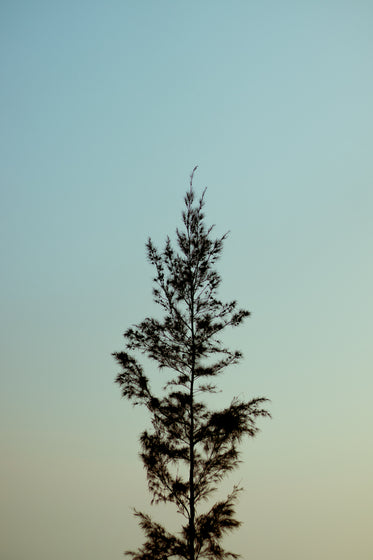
<point x="190" y="448"/>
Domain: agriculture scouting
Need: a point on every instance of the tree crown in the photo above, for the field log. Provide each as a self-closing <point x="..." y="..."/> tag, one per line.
<point x="184" y="430"/>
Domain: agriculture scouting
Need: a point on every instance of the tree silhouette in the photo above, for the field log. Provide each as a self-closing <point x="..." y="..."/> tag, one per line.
<point x="190" y="448"/>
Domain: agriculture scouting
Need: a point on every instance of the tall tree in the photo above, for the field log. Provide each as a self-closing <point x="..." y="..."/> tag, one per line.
<point x="190" y="448"/>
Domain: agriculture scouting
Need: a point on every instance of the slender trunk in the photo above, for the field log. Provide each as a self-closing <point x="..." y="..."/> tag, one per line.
<point x="191" y="476"/>
<point x="192" y="530"/>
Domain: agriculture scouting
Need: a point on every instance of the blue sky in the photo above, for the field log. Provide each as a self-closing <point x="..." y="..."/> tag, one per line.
<point x="105" y="109"/>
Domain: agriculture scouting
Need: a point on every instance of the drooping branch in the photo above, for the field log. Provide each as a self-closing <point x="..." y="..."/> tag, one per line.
<point x="159" y="544"/>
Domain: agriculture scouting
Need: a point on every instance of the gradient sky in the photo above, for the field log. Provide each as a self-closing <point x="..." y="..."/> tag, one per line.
<point x="105" y="109"/>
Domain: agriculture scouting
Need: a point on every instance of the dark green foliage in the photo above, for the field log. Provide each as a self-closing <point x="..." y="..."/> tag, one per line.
<point x="186" y="436"/>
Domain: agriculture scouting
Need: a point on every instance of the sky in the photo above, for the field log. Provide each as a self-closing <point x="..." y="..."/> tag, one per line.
<point x="105" y="109"/>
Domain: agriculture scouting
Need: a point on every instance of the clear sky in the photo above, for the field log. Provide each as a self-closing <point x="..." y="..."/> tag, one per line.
<point x="105" y="109"/>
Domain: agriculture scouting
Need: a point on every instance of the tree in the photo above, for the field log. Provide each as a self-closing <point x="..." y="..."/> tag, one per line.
<point x="190" y="448"/>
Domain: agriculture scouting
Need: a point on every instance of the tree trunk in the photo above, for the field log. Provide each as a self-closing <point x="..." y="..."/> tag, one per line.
<point x="191" y="476"/>
<point x="192" y="529"/>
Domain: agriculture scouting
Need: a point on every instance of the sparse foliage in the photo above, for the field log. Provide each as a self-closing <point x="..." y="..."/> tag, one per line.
<point x="190" y="448"/>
